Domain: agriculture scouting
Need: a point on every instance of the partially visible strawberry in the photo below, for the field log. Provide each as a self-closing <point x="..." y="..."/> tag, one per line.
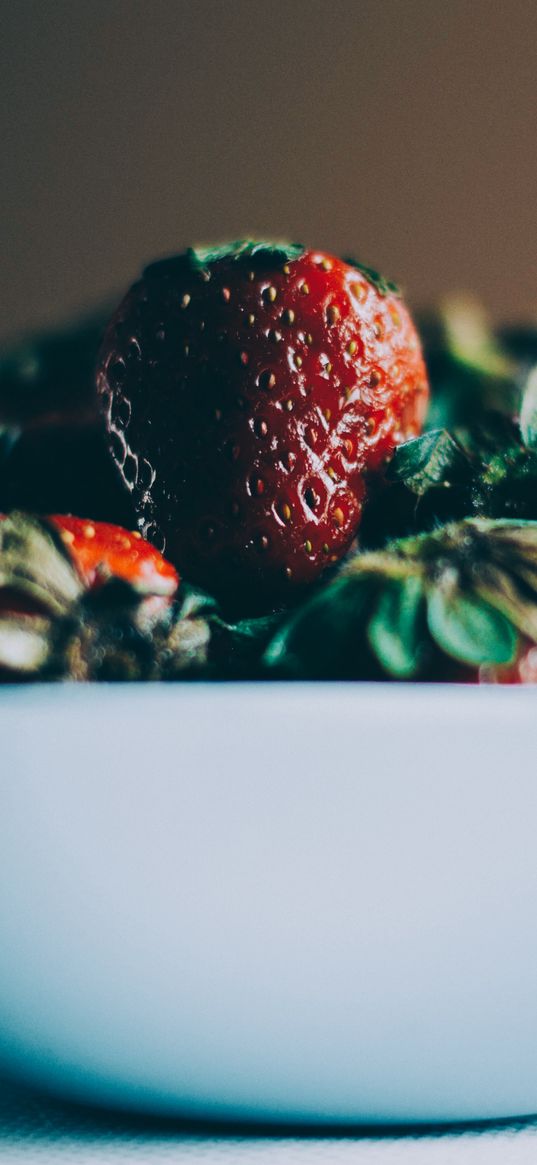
<point x="101" y="551"/>
<point x="98" y="551"/>
<point x="455" y="605"/>
<point x="522" y="671"/>
<point x="86" y="600"/>
<point x="249" y="390"/>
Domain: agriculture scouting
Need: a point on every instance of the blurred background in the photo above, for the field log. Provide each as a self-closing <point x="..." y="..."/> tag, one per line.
<point x="401" y="131"/>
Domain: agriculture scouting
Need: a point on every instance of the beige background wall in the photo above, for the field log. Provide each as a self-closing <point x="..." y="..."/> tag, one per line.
<point x="401" y="130"/>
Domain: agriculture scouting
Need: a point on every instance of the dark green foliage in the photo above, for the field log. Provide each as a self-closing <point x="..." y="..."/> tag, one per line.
<point x="466" y="591"/>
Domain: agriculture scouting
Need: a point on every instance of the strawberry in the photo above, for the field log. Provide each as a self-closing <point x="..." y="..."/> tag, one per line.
<point x="87" y="600"/>
<point x="458" y="604"/>
<point x="522" y="671"/>
<point x="249" y="390"/>
<point x="101" y="551"/>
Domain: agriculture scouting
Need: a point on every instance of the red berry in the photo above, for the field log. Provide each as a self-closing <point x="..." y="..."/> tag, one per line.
<point x="248" y="392"/>
<point x="101" y="551"/>
<point x="522" y="671"/>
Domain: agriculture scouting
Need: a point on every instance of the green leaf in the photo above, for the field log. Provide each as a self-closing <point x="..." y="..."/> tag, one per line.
<point x="528" y="412"/>
<point x="429" y="460"/>
<point x="471" y="340"/>
<point x="195" y="602"/>
<point x="35" y="564"/>
<point x="198" y="260"/>
<point x="324" y="639"/>
<point x="274" y="252"/>
<point x="469" y="629"/>
<point x="471" y="370"/>
<point x="510" y="595"/>
<point x="382" y="285"/>
<point x="395" y="632"/>
<point x="258" y="628"/>
<point x="237" y="648"/>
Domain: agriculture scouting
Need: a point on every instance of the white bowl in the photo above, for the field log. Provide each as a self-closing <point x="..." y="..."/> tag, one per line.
<point x="273" y="902"/>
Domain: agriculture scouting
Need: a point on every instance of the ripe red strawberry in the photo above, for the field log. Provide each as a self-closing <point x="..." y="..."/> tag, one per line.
<point x="458" y="604"/>
<point x="248" y="391"/>
<point x="522" y="671"/>
<point x="101" y="551"/>
<point x="86" y="600"/>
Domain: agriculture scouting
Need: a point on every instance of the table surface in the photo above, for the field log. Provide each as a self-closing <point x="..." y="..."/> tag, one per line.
<point x="36" y="1129"/>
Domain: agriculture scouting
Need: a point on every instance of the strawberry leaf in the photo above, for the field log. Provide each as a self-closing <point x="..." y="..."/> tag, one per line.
<point x="251" y="249"/>
<point x="528" y="412"/>
<point x="463" y="591"/>
<point x="469" y="629"/>
<point x="382" y="285"/>
<point x="471" y="340"/>
<point x="395" y="631"/>
<point x="429" y="460"/>
<point x="256" y="252"/>
<point x="324" y="639"/>
<point x="194" y="602"/>
<point x="258" y="629"/>
<point x="237" y="648"/>
<point x="35" y="565"/>
<point x="471" y="370"/>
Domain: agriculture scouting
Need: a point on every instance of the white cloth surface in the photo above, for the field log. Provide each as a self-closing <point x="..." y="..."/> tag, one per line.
<point x="38" y="1131"/>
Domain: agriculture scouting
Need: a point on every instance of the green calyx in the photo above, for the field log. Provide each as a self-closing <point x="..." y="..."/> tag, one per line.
<point x="486" y="468"/>
<point x="382" y="285"/>
<point x="467" y="591"/>
<point x="35" y="565"/>
<point x="430" y="460"/>
<point x="257" y="251"/>
<point x="53" y="627"/>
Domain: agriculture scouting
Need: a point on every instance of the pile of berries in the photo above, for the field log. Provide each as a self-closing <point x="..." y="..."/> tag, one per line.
<point x="249" y="402"/>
